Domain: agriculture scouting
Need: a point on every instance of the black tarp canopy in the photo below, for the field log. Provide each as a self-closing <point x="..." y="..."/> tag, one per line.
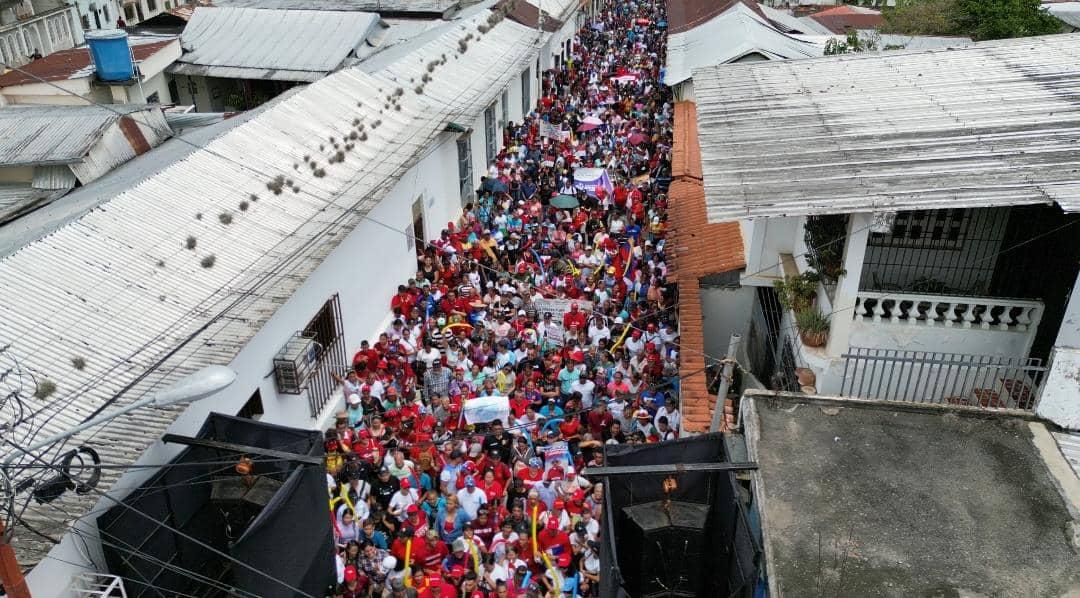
<point x="721" y="561"/>
<point x="276" y="548"/>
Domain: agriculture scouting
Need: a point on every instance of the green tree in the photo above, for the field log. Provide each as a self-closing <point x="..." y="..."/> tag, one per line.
<point x="1001" y="19"/>
<point x="852" y="43"/>
<point x="977" y="19"/>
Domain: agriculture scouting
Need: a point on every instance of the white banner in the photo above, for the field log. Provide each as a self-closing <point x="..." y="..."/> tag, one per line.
<point x="487" y="409"/>
<point x="549" y="130"/>
<point x="558" y="307"/>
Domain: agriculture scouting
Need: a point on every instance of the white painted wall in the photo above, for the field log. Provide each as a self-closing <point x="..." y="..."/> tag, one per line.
<point x="364" y="270"/>
<point x="1060" y="400"/>
<point x="724" y="311"/>
<point x="765" y="239"/>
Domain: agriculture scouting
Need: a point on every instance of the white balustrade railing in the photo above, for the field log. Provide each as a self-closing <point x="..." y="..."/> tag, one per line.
<point x="986" y="313"/>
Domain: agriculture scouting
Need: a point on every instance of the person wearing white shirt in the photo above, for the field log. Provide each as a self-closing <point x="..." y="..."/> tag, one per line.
<point x="470" y="498"/>
<point x="402" y="499"/>
<point x="586" y="387"/>
<point x="670" y="410"/>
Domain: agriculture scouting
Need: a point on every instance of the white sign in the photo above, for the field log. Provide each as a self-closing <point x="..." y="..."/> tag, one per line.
<point x="558" y="307"/>
<point x="549" y="130"/>
<point x="487" y="409"/>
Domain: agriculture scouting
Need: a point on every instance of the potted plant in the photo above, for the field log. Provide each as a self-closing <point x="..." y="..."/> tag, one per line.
<point x="797" y="293"/>
<point x="825" y="237"/>
<point x="813" y="327"/>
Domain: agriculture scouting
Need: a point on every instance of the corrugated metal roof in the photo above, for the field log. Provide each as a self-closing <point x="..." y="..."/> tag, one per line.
<point x="917" y="42"/>
<point x="789" y="23"/>
<point x="16" y="199"/>
<point x="841" y="18"/>
<point x="489" y="62"/>
<point x="250" y="43"/>
<point x="1070" y="448"/>
<point x="727" y="37"/>
<point x="393" y="6"/>
<point x="1066" y="12"/>
<point x="995" y="123"/>
<point x="812" y="27"/>
<point x="560" y="9"/>
<point x="131" y="318"/>
<point x="73" y="64"/>
<point x="53" y="177"/>
<point x="53" y="134"/>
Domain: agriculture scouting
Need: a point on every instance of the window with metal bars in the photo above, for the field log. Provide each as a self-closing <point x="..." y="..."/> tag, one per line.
<point x="489" y="133"/>
<point x="465" y="167"/>
<point x="526" y="92"/>
<point x="326" y="328"/>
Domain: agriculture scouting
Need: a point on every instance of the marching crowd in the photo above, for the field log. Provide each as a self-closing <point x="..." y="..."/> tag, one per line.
<point x="544" y="293"/>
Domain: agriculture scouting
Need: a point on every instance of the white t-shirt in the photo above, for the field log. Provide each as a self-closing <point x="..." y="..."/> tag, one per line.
<point x="399" y="502"/>
<point x="470" y="501"/>
<point x="586" y="389"/>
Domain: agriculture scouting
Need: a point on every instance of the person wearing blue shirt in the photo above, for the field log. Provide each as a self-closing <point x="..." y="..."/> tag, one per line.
<point x="551" y="412"/>
<point x="567" y="376"/>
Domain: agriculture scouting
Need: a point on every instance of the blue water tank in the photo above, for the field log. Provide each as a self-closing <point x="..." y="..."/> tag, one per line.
<point x="111" y="55"/>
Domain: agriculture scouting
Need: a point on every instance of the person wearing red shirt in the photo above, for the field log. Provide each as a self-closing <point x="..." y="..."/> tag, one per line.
<point x="570" y="428"/>
<point x="491" y="487"/>
<point x="553" y="540"/>
<point x="574" y="317"/>
<point x="600" y="420"/>
<point x="430" y="553"/>
<point x="532" y="475"/>
<point x="403" y="301"/>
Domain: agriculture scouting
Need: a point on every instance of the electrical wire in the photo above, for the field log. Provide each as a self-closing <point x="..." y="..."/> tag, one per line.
<point x="180" y="533"/>
<point x="463" y="103"/>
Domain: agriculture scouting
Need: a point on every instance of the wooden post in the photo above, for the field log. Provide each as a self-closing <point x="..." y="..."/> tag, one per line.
<point x="10" y="573"/>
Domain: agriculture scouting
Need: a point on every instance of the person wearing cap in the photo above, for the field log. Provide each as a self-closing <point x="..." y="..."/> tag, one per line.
<point x="429" y="554"/>
<point x="470" y="497"/>
<point x="458" y="561"/>
<point x="553" y="541"/>
<point x="355" y="584"/>
<point x="404" y="498"/>
<point x="558" y="513"/>
<point x="384" y="487"/>
<point x="436" y="382"/>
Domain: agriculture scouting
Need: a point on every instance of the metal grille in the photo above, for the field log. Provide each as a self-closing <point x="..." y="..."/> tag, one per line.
<point x="988" y="381"/>
<point x="526" y="93"/>
<point x="946" y="252"/>
<point x="489" y="133"/>
<point x="770" y="349"/>
<point x="326" y="327"/>
<point x="465" y="171"/>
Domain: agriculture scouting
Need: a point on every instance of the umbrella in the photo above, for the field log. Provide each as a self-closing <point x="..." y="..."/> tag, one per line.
<point x="495" y="186"/>
<point x="587" y="127"/>
<point x="636" y="138"/>
<point x="592" y="120"/>
<point x="565" y="202"/>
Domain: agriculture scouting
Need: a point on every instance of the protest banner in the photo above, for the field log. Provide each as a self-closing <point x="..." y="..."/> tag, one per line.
<point x="482" y="410"/>
<point x="557" y="453"/>
<point x="549" y="130"/>
<point x="589" y="179"/>
<point x="558" y="307"/>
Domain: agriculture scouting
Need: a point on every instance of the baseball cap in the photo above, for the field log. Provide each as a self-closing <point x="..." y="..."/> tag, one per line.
<point x="412" y="510"/>
<point x="560" y="503"/>
<point x="354" y="399"/>
<point x="534" y="462"/>
<point x="470" y="481"/>
<point x="553" y="523"/>
<point x="350" y="573"/>
<point x="405" y="483"/>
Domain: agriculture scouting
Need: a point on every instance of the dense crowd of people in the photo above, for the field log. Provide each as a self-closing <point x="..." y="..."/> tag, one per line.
<point x="547" y="296"/>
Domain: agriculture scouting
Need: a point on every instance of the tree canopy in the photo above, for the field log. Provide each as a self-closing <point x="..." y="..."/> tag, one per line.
<point x="977" y="19"/>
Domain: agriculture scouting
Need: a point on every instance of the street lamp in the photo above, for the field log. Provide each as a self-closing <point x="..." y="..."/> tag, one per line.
<point x="201" y="384"/>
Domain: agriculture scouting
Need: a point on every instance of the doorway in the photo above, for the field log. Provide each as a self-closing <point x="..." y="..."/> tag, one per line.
<point x="418" y="237"/>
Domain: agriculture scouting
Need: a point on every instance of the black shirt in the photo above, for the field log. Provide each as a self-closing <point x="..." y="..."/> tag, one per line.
<point x="502" y="444"/>
<point x="384" y="491"/>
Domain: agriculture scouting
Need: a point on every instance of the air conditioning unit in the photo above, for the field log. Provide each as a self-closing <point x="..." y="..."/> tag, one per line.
<point x="295" y="362"/>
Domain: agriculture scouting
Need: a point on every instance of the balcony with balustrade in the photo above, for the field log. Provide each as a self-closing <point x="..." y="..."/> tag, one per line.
<point x="956" y="306"/>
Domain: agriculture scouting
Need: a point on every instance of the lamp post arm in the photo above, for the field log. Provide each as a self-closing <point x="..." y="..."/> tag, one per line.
<point x="97" y="421"/>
